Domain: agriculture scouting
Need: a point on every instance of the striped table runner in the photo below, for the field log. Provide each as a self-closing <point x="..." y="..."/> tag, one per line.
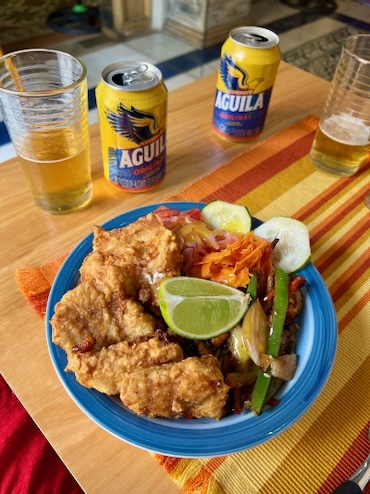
<point x="330" y="441"/>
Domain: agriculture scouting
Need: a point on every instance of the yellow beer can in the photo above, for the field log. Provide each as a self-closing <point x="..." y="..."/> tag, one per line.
<point x="249" y="62"/>
<point x="132" y="99"/>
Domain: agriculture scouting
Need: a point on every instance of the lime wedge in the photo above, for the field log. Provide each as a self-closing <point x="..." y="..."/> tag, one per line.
<point x="200" y="309"/>
<point x="293" y="251"/>
<point x="226" y="216"/>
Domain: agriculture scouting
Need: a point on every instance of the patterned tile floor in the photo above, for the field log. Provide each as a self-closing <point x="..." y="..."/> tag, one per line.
<point x="309" y="41"/>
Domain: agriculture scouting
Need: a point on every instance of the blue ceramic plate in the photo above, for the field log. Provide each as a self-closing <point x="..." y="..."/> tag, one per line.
<point x="316" y="348"/>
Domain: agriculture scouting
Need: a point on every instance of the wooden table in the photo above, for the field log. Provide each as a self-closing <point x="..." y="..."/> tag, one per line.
<point x="99" y="461"/>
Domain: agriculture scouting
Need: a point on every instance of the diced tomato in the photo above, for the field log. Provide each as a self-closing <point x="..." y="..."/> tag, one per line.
<point x="164" y="212"/>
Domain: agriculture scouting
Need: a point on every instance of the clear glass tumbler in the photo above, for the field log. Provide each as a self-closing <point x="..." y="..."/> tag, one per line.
<point x="342" y="141"/>
<point x="43" y="98"/>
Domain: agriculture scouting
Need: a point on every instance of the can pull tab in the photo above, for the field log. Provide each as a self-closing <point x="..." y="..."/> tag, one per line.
<point x="128" y="77"/>
<point x="255" y="38"/>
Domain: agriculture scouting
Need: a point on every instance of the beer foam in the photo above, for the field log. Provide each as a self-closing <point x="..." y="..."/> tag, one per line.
<point x="346" y="129"/>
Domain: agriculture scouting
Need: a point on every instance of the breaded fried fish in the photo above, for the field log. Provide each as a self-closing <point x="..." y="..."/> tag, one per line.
<point x="193" y="387"/>
<point x="145" y="251"/>
<point x="111" y="342"/>
<point x="84" y="317"/>
<point x="105" y="369"/>
<point x="106" y="277"/>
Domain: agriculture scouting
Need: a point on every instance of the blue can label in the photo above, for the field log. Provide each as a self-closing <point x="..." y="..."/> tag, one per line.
<point x="237" y="114"/>
<point x="138" y="169"/>
<point x="243" y="94"/>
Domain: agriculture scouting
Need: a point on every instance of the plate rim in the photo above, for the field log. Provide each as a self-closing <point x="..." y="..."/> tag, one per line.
<point x="197" y="441"/>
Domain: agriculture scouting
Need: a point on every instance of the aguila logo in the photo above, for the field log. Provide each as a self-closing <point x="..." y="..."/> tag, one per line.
<point x="235" y="77"/>
<point x="134" y="125"/>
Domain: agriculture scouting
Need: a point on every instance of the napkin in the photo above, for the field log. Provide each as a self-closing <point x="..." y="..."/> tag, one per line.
<point x="26" y="454"/>
<point x="327" y="444"/>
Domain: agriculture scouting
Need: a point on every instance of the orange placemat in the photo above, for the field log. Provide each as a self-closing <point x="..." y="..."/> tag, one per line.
<point x="329" y="442"/>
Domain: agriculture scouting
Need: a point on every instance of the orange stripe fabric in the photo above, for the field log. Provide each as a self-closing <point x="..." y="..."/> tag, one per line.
<point x="330" y="192"/>
<point x="36" y="283"/>
<point x="204" y="482"/>
<point x="248" y="170"/>
<point x="329" y="442"/>
<point x="354" y="234"/>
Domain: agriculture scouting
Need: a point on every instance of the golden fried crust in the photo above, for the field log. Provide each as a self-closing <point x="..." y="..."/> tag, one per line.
<point x="194" y="388"/>
<point x="104" y="370"/>
<point x="146" y="251"/>
<point x="106" y="277"/>
<point x="84" y="314"/>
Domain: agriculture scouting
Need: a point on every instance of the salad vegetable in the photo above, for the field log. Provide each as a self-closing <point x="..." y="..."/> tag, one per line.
<point x="226" y="216"/>
<point x="280" y="305"/>
<point x="256" y="355"/>
<point x="292" y="251"/>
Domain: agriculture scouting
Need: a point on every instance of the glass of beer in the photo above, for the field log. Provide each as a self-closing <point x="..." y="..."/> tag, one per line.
<point x="342" y="141"/>
<point x="43" y="98"/>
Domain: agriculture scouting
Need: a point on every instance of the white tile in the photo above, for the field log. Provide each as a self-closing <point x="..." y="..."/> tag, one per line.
<point x="120" y="51"/>
<point x="93" y="116"/>
<point x="178" y="81"/>
<point x="160" y="46"/>
<point x="204" y="70"/>
<point x="7" y="152"/>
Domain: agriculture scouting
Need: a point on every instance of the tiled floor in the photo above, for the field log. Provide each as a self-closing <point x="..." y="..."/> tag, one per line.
<point x="181" y="63"/>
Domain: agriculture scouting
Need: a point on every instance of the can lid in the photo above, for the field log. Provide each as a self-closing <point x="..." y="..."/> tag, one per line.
<point x="255" y="37"/>
<point x="131" y="76"/>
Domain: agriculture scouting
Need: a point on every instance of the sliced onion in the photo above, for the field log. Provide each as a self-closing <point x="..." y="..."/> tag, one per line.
<point x="255" y="333"/>
<point x="284" y="367"/>
<point x="237" y="347"/>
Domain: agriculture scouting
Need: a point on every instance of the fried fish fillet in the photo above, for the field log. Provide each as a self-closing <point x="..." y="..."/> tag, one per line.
<point x="106" y="277"/>
<point x="99" y="322"/>
<point x="145" y="252"/>
<point x="84" y="316"/>
<point x="193" y="387"/>
<point x="105" y="369"/>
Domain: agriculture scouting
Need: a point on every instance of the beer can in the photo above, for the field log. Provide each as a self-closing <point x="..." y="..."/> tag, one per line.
<point x="132" y="107"/>
<point x="249" y="62"/>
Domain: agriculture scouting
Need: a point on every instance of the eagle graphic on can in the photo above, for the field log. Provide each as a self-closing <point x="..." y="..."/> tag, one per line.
<point x="135" y="125"/>
<point x="235" y="77"/>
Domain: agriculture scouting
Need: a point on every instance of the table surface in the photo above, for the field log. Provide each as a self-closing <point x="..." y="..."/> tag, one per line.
<point x="29" y="237"/>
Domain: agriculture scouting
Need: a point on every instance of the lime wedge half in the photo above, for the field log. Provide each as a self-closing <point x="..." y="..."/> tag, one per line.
<point x="293" y="251"/>
<point x="200" y="309"/>
<point x="226" y="216"/>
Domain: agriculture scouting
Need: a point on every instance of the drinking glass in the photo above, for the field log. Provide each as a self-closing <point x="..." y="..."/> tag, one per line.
<point x="43" y="98"/>
<point x="342" y="141"/>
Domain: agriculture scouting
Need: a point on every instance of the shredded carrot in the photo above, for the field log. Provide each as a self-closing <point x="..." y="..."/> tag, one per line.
<point x="233" y="265"/>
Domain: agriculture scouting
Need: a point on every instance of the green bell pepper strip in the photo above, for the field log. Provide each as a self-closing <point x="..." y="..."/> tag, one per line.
<point x="252" y="286"/>
<point x="279" y="308"/>
<point x="260" y="390"/>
